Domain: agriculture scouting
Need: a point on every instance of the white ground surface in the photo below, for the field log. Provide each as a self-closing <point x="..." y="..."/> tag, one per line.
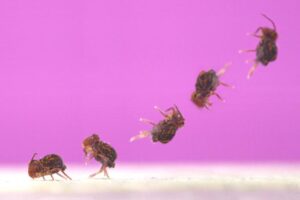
<point x="159" y="182"/>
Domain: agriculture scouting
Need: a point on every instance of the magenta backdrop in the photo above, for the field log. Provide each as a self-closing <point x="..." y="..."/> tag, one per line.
<point x="71" y="68"/>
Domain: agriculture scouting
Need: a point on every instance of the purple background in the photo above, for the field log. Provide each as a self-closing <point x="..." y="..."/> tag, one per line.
<point x="71" y="68"/>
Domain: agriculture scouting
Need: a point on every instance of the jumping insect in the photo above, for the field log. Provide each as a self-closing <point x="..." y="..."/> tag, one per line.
<point x="93" y="147"/>
<point x="165" y="130"/>
<point x="48" y="165"/>
<point x="206" y="85"/>
<point x="266" y="50"/>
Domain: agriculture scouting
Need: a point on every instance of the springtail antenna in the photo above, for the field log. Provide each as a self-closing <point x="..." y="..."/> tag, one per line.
<point x="268" y="18"/>
<point x="33" y="156"/>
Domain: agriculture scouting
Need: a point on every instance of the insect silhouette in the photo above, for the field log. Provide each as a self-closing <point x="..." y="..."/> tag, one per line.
<point x="93" y="147"/>
<point x="266" y="50"/>
<point x="48" y="165"/>
<point x="165" y="130"/>
<point x="206" y="85"/>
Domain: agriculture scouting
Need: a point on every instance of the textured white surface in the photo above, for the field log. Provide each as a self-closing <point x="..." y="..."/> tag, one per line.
<point x="159" y="182"/>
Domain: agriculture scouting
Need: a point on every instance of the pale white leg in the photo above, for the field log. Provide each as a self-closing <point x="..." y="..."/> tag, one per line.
<point x="142" y="134"/>
<point x="207" y="105"/>
<point x="250" y="61"/>
<point x="219" y="97"/>
<point x="249" y="50"/>
<point x="100" y="171"/>
<point x="64" y="173"/>
<point x="61" y="175"/>
<point x="105" y="172"/>
<point x="252" y="69"/>
<point x="222" y="71"/>
<point x="227" y="85"/>
<point x="147" y="121"/>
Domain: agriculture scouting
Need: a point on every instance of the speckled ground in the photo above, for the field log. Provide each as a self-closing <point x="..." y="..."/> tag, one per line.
<point x="159" y="182"/>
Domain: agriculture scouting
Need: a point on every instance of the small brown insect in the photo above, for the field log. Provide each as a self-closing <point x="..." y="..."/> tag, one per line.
<point x="206" y="85"/>
<point x="48" y="165"/>
<point x="165" y="130"/>
<point x="93" y="147"/>
<point x="266" y="50"/>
